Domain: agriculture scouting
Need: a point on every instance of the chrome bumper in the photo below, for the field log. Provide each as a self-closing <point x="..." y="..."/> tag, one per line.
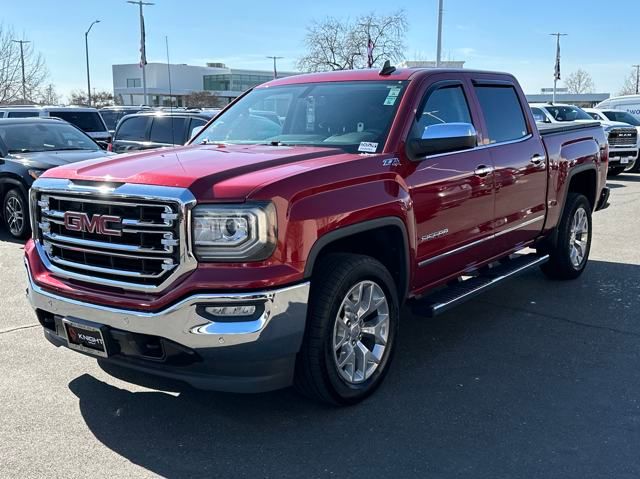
<point x="283" y="315"/>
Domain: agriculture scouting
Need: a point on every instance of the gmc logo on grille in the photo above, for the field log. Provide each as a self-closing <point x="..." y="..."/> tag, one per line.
<point x="100" y="224"/>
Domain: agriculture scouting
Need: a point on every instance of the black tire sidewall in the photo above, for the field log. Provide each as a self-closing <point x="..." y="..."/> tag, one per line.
<point x="342" y="391"/>
<point x="575" y="202"/>
<point x="25" y="208"/>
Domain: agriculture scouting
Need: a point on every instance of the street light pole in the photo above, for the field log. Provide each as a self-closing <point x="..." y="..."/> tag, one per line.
<point x="86" y="51"/>
<point x="637" y="67"/>
<point x="24" y="81"/>
<point x="143" y="48"/>
<point x="275" y="70"/>
<point x="439" y="43"/>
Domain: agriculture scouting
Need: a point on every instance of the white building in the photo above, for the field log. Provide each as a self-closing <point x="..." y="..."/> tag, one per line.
<point x="226" y="83"/>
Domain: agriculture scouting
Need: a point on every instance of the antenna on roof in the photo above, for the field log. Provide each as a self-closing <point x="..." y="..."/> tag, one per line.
<point x="387" y="69"/>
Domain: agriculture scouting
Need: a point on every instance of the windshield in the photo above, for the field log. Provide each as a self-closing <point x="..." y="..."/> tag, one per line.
<point x="90" y="121"/>
<point x="622" y="116"/>
<point x="355" y="116"/>
<point x="567" y="113"/>
<point x="32" y="137"/>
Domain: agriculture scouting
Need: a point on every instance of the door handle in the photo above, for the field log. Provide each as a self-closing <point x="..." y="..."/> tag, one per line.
<point x="538" y="160"/>
<point x="483" y="170"/>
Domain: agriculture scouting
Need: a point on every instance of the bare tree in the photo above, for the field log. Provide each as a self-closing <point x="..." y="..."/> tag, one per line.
<point x="202" y="99"/>
<point x="99" y="98"/>
<point x="49" y="96"/>
<point x="35" y="70"/>
<point x="579" y="82"/>
<point x="335" y="44"/>
<point x="630" y="86"/>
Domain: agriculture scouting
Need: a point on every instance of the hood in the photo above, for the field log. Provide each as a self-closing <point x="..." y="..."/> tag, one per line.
<point x="44" y="160"/>
<point x="201" y="167"/>
<point x="605" y="123"/>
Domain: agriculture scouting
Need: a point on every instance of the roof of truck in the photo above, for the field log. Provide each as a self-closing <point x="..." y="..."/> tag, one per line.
<point x="370" y="74"/>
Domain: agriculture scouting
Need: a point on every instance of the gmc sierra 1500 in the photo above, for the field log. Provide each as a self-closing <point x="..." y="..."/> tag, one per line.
<point x="279" y="245"/>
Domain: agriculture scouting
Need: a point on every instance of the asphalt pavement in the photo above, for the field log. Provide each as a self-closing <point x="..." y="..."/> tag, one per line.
<point x="535" y="379"/>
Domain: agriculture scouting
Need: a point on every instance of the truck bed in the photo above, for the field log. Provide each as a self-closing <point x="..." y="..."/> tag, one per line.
<point x="553" y="128"/>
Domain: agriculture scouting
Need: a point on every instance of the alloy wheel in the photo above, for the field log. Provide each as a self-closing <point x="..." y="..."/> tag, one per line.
<point x="579" y="237"/>
<point x="14" y="215"/>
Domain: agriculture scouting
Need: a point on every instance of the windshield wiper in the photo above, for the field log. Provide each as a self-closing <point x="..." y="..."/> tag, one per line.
<point x="70" y="148"/>
<point x="23" y="150"/>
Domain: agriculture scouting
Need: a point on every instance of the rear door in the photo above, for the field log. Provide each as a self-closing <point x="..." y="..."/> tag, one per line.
<point x="452" y="193"/>
<point x="519" y="158"/>
<point x="168" y="131"/>
<point x="132" y="134"/>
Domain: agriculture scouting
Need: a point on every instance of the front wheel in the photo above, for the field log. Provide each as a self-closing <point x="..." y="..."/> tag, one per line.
<point x="568" y="258"/>
<point x="16" y="213"/>
<point x="351" y="330"/>
<point x="615" y="171"/>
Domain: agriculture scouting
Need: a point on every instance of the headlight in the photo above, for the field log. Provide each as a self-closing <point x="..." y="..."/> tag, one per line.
<point x="234" y="232"/>
<point x="35" y="174"/>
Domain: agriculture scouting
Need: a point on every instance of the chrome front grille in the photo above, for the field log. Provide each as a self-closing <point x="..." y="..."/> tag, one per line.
<point x="623" y="137"/>
<point x="143" y="248"/>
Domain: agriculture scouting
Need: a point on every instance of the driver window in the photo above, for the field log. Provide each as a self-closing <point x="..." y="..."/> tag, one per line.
<point x="444" y="105"/>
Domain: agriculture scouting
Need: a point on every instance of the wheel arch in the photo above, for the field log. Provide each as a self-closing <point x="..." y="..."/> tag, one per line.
<point x="379" y="234"/>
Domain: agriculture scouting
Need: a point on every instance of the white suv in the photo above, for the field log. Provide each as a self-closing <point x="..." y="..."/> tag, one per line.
<point x="85" y="118"/>
<point x="622" y="137"/>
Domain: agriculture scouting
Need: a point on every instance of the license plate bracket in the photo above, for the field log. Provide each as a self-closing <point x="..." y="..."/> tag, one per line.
<point x="86" y="336"/>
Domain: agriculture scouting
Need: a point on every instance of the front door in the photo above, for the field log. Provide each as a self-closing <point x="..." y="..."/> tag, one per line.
<point x="452" y="193"/>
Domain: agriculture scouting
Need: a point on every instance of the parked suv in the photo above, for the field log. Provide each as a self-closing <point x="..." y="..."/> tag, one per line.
<point x="85" y="118"/>
<point x="155" y="129"/>
<point x="622" y="137"/>
<point x="29" y="147"/>
<point x="278" y="249"/>
<point x="113" y="114"/>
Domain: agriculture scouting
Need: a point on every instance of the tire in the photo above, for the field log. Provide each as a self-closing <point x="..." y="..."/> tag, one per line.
<point x="615" y="171"/>
<point x="15" y="211"/>
<point x="569" y="257"/>
<point x="636" y="167"/>
<point x="335" y="292"/>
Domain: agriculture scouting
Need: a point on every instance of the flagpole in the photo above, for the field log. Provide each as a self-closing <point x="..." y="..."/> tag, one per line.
<point x="556" y="73"/>
<point x="143" y="49"/>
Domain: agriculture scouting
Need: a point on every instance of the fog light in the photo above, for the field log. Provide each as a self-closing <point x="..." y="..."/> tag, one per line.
<point x="227" y="311"/>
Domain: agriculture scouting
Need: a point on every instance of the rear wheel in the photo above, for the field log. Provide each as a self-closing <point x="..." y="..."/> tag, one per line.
<point x="16" y="213"/>
<point x="568" y="258"/>
<point x="351" y="329"/>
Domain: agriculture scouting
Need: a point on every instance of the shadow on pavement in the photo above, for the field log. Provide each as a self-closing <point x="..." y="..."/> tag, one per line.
<point x="535" y="379"/>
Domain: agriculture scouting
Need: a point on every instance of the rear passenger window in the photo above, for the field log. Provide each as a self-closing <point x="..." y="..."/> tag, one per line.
<point x="168" y="129"/>
<point x="444" y="105"/>
<point x="502" y="113"/>
<point x="22" y="114"/>
<point x="133" y="129"/>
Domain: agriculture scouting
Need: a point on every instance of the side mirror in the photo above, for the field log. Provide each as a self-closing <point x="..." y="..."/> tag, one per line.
<point x="195" y="132"/>
<point x="443" y="138"/>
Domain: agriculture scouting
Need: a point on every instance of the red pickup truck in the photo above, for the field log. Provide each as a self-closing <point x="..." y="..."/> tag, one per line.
<point x="278" y="247"/>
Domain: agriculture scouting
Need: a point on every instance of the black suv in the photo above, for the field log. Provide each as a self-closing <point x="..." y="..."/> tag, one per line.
<point x="29" y="147"/>
<point x="157" y="129"/>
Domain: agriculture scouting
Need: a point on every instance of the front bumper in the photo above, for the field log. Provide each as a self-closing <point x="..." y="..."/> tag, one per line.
<point x="227" y="355"/>
<point x="622" y="158"/>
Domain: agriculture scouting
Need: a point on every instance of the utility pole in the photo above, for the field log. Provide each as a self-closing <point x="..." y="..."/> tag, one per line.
<point x="24" y="81"/>
<point x="86" y="51"/>
<point x="556" y="72"/>
<point x="275" y="70"/>
<point x="143" y="48"/>
<point x="439" y="43"/>
<point x="637" y="67"/>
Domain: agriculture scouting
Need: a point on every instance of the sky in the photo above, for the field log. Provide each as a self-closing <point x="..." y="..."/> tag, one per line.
<point x="505" y="35"/>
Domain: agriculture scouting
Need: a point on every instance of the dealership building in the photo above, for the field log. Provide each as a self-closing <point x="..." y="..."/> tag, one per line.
<point x="224" y="82"/>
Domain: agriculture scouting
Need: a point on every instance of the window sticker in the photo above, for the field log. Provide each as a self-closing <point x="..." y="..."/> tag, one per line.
<point x="368" y="147"/>
<point x="392" y="96"/>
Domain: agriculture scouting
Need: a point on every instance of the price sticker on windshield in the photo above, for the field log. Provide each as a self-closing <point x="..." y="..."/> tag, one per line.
<point x="368" y="147"/>
<point x="392" y="96"/>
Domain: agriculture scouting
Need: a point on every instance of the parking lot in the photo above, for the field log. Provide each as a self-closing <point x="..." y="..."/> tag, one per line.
<point x="536" y="376"/>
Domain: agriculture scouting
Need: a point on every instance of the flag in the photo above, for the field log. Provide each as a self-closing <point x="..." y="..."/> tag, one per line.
<point x="556" y="73"/>
<point x="370" y="53"/>
<point x="143" y="49"/>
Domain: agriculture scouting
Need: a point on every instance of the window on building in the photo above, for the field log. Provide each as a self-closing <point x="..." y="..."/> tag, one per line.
<point x="134" y="83"/>
<point x="502" y="113"/>
<point x="217" y="82"/>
